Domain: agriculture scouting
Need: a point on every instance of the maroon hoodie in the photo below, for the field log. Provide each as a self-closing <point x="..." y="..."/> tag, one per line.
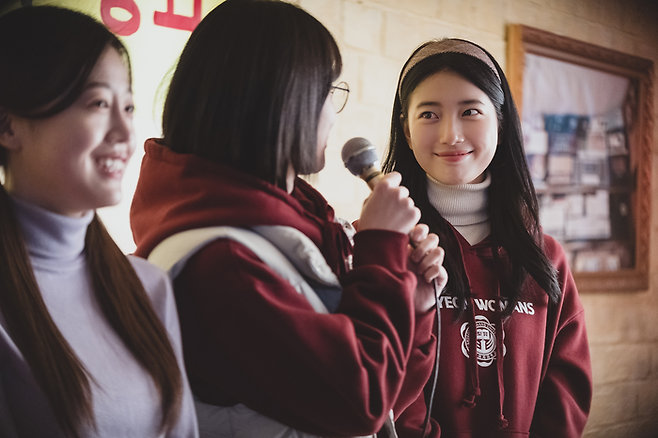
<point x="541" y="384"/>
<point x="250" y="338"/>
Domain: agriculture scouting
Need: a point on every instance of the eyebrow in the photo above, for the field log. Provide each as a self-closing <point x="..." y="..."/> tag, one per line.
<point x="91" y="85"/>
<point x="96" y="85"/>
<point x="461" y="102"/>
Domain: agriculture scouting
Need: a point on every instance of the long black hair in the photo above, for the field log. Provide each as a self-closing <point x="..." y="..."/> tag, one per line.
<point x="513" y="206"/>
<point x="249" y="88"/>
<point x="46" y="57"/>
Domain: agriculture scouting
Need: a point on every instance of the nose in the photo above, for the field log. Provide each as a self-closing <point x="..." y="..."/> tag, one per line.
<point x="450" y="131"/>
<point x="121" y="126"/>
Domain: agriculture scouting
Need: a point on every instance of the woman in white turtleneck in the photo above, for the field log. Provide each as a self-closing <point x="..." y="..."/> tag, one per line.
<point x="89" y="338"/>
<point x="514" y="359"/>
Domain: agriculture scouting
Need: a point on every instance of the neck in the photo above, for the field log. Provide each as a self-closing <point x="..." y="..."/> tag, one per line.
<point x="464" y="206"/>
<point x="290" y="179"/>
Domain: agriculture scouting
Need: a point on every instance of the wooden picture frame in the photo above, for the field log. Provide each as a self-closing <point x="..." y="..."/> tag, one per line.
<point x="525" y="44"/>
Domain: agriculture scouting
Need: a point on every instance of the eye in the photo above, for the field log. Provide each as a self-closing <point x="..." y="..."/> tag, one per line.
<point x="428" y="115"/>
<point x="100" y="103"/>
<point x="130" y="109"/>
<point x="471" y="112"/>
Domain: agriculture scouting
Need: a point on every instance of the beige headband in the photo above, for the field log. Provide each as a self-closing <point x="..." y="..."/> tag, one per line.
<point x="447" y="45"/>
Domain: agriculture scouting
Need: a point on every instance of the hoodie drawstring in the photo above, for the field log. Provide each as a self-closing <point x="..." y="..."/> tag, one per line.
<point x="473" y="374"/>
<point x="500" y="357"/>
<point x="473" y="367"/>
<point x="500" y="349"/>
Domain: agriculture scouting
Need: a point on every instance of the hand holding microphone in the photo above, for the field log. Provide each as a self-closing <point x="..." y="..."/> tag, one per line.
<point x="390" y="207"/>
<point x="426" y="260"/>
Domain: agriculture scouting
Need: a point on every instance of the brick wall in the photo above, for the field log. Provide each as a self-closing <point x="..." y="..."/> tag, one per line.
<point x="377" y="36"/>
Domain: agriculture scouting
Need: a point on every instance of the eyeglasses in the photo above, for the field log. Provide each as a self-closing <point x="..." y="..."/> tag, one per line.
<point x="339" y="94"/>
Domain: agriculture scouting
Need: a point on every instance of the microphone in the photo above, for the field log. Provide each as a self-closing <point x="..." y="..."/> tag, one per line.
<point x="360" y="158"/>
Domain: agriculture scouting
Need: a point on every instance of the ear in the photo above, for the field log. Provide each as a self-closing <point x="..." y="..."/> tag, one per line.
<point x="8" y="137"/>
<point x="407" y="132"/>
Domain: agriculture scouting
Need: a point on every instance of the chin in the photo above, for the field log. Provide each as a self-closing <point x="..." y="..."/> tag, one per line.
<point x="319" y="166"/>
<point x="109" y="201"/>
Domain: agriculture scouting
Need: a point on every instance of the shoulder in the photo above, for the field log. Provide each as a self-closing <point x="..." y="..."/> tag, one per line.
<point x="226" y="258"/>
<point x="551" y="245"/>
<point x="558" y="257"/>
<point x="156" y="284"/>
<point x="153" y="278"/>
<point x="554" y="251"/>
<point x="221" y="261"/>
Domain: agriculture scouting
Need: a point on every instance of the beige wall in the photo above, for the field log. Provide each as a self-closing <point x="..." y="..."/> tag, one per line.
<point x="377" y="36"/>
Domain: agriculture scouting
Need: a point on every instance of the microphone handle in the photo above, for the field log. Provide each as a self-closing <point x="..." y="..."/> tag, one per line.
<point x="371" y="175"/>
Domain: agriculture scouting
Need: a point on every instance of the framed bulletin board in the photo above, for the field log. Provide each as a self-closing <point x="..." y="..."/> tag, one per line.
<point x="587" y="116"/>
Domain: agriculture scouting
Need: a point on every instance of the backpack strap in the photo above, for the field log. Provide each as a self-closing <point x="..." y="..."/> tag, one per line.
<point x="173" y="253"/>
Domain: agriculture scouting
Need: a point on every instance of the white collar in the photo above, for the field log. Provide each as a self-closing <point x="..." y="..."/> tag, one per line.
<point x="461" y="205"/>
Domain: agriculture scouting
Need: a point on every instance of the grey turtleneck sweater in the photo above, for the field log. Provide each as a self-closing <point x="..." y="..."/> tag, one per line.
<point x="464" y="206"/>
<point x="126" y="402"/>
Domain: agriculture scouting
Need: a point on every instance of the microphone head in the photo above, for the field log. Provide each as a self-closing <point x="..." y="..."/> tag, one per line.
<point x="359" y="154"/>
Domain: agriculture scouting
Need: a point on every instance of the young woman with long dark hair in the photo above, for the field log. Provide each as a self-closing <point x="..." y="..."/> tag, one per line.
<point x="323" y="347"/>
<point x="514" y="357"/>
<point x="89" y="338"/>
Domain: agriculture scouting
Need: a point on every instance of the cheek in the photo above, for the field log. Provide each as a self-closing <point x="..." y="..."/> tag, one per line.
<point x="495" y="135"/>
<point x="494" y="129"/>
<point x="411" y="133"/>
<point x="76" y="134"/>
<point x="488" y="136"/>
<point x="490" y="145"/>
<point x="326" y="122"/>
<point x="422" y="138"/>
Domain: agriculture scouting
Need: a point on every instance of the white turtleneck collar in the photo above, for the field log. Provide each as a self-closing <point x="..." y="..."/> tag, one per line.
<point x="464" y="206"/>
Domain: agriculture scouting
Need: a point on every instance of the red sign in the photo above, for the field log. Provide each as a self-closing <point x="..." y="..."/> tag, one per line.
<point x="164" y="19"/>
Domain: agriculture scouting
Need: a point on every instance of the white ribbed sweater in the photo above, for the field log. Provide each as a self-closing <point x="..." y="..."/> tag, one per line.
<point x="464" y="206"/>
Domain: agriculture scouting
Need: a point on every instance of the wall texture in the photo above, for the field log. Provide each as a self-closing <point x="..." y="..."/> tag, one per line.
<point x="376" y="37"/>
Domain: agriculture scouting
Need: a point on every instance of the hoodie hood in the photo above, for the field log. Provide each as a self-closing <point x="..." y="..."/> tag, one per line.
<point x="178" y="192"/>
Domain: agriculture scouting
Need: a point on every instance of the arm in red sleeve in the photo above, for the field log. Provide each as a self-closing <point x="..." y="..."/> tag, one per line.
<point x="565" y="394"/>
<point x="410" y="408"/>
<point x="421" y="361"/>
<point x="411" y="421"/>
<point x="250" y="338"/>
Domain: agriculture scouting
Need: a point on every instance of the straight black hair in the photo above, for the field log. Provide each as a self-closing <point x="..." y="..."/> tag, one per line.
<point x="513" y="206"/>
<point x="46" y="56"/>
<point x="249" y="88"/>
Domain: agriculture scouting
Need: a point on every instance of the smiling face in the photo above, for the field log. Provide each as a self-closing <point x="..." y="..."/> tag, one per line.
<point x="74" y="161"/>
<point x="452" y="129"/>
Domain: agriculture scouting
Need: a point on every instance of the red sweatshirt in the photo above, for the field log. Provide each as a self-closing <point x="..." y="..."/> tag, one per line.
<point x="541" y="385"/>
<point x="250" y="338"/>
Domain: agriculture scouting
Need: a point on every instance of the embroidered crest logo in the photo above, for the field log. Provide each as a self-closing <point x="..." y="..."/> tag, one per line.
<point x="485" y="341"/>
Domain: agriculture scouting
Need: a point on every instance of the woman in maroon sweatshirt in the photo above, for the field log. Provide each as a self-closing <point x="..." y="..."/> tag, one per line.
<point x="514" y="359"/>
<point x="249" y="108"/>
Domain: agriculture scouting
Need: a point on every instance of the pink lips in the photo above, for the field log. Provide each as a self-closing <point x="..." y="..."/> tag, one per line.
<point x="454" y="157"/>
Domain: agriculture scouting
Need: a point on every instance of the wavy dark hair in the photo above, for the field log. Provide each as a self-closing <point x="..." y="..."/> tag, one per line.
<point x="249" y="88"/>
<point x="46" y="56"/>
<point x="513" y="207"/>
